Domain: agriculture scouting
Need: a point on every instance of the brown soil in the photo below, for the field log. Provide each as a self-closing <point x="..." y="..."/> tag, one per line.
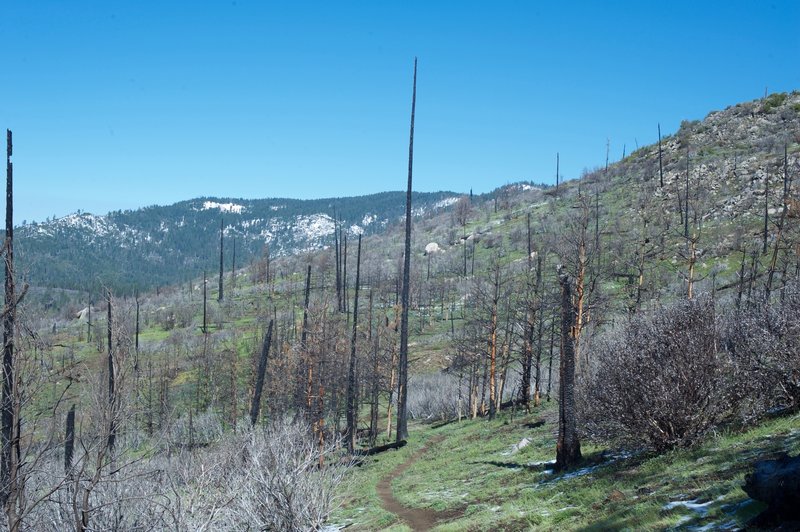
<point x="416" y="518"/>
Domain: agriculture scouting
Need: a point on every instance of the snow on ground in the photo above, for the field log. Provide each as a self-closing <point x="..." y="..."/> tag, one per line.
<point x="223" y="207"/>
<point x="314" y="226"/>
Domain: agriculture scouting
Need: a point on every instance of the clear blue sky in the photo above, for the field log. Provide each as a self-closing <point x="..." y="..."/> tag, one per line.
<point x="117" y="105"/>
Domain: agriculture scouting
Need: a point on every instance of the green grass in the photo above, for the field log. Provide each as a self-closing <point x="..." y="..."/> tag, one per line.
<point x="471" y="473"/>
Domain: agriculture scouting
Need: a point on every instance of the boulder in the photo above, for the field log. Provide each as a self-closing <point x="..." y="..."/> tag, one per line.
<point x="776" y="483"/>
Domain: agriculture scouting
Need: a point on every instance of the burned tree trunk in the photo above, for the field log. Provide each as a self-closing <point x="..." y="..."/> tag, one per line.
<point x="568" y="448"/>
<point x="255" y="406"/>
<point x="112" y="426"/>
<point x="205" y="303"/>
<point x="221" y="270"/>
<point x="402" y="392"/>
<point x="352" y="403"/>
<point x="10" y="440"/>
<point x="69" y="440"/>
<point x="660" y="163"/>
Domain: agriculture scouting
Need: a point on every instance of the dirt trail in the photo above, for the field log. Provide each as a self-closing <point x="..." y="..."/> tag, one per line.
<point x="416" y="518"/>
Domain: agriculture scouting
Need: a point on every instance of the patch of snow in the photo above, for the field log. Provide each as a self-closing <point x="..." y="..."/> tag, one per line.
<point x="246" y="224"/>
<point x="700" y="508"/>
<point x="355" y="230"/>
<point x="446" y="202"/>
<point x="368" y="219"/>
<point x="314" y="226"/>
<point x="277" y="207"/>
<point x="524" y="442"/>
<point x="223" y="207"/>
<point x="543" y="462"/>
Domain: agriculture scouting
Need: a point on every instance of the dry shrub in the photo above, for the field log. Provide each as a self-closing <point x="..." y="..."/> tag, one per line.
<point x="660" y="380"/>
<point x="764" y="339"/>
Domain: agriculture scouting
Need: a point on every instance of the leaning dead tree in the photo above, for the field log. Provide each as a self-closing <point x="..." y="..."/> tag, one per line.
<point x="255" y="406"/>
<point x="402" y="392"/>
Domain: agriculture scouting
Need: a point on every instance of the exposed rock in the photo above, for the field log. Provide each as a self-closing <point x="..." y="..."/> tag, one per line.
<point x="776" y="483"/>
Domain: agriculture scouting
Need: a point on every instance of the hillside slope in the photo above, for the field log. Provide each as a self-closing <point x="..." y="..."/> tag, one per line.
<point x="161" y="245"/>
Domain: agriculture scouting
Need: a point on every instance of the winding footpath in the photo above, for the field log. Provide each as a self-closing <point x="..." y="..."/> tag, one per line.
<point x="416" y="518"/>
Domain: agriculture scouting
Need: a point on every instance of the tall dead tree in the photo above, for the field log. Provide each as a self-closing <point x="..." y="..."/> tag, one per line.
<point x="221" y="227"/>
<point x="255" y="406"/>
<point x="352" y="406"/>
<point x="233" y="265"/>
<point x="527" y="345"/>
<point x="205" y="303"/>
<point x="304" y="345"/>
<point x="9" y="424"/>
<point x="338" y="261"/>
<point x="89" y="323"/>
<point x="568" y="448"/>
<point x="69" y="440"/>
<point x="766" y="212"/>
<point x="112" y="425"/>
<point x="779" y="234"/>
<point x="402" y="392"/>
<point x="660" y="163"/>
<point x="557" y="170"/>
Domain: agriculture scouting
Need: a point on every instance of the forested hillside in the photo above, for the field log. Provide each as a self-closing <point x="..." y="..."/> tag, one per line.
<point x="160" y="245"/>
<point x="653" y="299"/>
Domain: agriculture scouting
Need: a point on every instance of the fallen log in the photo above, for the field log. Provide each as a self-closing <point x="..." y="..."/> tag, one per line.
<point x="380" y="448"/>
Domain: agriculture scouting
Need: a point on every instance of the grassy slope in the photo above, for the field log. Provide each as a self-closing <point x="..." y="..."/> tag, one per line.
<point x="470" y="472"/>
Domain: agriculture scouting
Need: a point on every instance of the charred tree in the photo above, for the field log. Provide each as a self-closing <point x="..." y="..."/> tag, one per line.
<point x="112" y="425"/>
<point x="10" y="439"/>
<point x="304" y="344"/>
<point x="221" y="270"/>
<point x="205" y="303"/>
<point x="233" y="265"/>
<point x="660" y="162"/>
<point x="568" y="448"/>
<point x="255" y="406"/>
<point x="352" y="403"/>
<point x="69" y="440"/>
<point x="402" y="392"/>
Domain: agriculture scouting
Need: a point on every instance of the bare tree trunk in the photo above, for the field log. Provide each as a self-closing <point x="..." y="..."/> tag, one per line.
<point x="233" y="265"/>
<point x="402" y="392"/>
<point x="557" y="170"/>
<point x="352" y="406"/>
<point x="221" y="270"/>
<point x="568" y="448"/>
<point x="205" y="303"/>
<point x="112" y="428"/>
<point x="10" y="441"/>
<point x="69" y="440"/>
<point x="537" y="399"/>
<point x="527" y="345"/>
<point x="304" y="345"/>
<point x="338" y="261"/>
<point x="550" y="358"/>
<point x="660" y="163"/>
<point x="255" y="406"/>
<point x="89" y="324"/>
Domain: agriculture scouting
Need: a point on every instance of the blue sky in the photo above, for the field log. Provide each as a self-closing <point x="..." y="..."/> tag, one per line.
<point x="117" y="105"/>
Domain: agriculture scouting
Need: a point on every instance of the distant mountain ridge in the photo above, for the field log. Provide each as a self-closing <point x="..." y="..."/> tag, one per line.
<point x="157" y="245"/>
